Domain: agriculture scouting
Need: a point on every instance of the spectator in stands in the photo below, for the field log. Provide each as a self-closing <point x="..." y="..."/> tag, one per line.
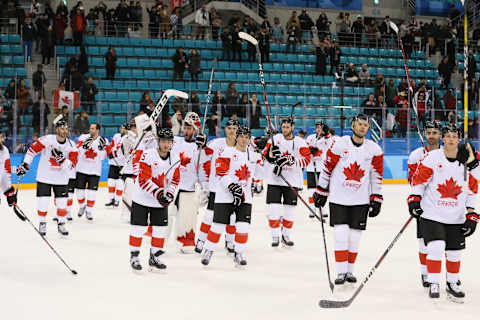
<point x="194" y="60"/>
<point x="137" y="12"/>
<point x="381" y="102"/>
<point x="62" y="9"/>
<point x="232" y="98"/>
<point x="306" y="24"/>
<point x="79" y="27"/>
<point x="194" y="103"/>
<point x="215" y="23"/>
<point x="10" y="92"/>
<point x="219" y="101"/>
<point x="179" y="64"/>
<point x="264" y="44"/>
<point x="342" y="27"/>
<point x="369" y="105"/>
<point x="175" y="23"/>
<point x="449" y="100"/>
<point x="76" y="80"/>
<point x="178" y="104"/>
<point x="358" y="28"/>
<point x="122" y="15"/>
<point x="202" y="19"/>
<point x="211" y="124"/>
<point x="379" y="83"/>
<point x="321" y="52"/>
<point x="251" y="50"/>
<point x="163" y="17"/>
<point x="473" y="128"/>
<point x="81" y="124"/>
<point x="41" y="25"/>
<point x="400" y="99"/>
<point x="351" y="74"/>
<point x="236" y="45"/>
<point x="83" y="61"/>
<point x="323" y="26"/>
<point x="390" y="92"/>
<point x="372" y="31"/>
<point x="64" y="113"/>
<point x="364" y="75"/>
<point x="432" y="31"/>
<point x="408" y="42"/>
<point x="445" y="72"/>
<point x="255" y="112"/>
<point x="241" y="108"/>
<point x="335" y="55"/>
<point x="277" y="30"/>
<point x="472" y="68"/>
<point x="387" y="31"/>
<point x="154" y="21"/>
<point x="249" y="25"/>
<point x="48" y="46"/>
<point x="89" y="91"/>
<point x="38" y="80"/>
<point x="36" y="109"/>
<point x="266" y="25"/>
<point x="177" y="123"/>
<point x="403" y="86"/>
<point x="146" y="103"/>
<point x="454" y="13"/>
<point x="292" y="39"/>
<point x="24" y="98"/>
<point x="402" y="117"/>
<point x="111" y="63"/>
<point x="294" y="23"/>
<point x="226" y="38"/>
<point x="28" y="36"/>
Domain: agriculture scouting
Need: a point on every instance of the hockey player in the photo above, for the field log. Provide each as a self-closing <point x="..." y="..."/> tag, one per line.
<point x="127" y="173"/>
<point x="92" y="149"/>
<point x="351" y="179"/>
<point x="439" y="200"/>
<point x="288" y="155"/>
<point x="57" y="158"/>
<point x="116" y="162"/>
<point x="432" y="134"/>
<point x="234" y="171"/>
<point x="155" y="188"/>
<point x="208" y="179"/>
<point x="6" y="173"/>
<point x="186" y="202"/>
<point x="318" y="143"/>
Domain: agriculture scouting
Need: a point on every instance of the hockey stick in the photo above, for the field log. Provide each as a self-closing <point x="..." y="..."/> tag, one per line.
<point x="162" y="102"/>
<point x="343" y="304"/>
<point x="18" y="211"/>
<point x="293" y="108"/>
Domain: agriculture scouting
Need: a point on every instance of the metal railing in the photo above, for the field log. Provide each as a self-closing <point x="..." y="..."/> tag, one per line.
<point x="9" y="26"/>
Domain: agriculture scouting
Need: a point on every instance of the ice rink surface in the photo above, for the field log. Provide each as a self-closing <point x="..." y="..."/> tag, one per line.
<point x="277" y="283"/>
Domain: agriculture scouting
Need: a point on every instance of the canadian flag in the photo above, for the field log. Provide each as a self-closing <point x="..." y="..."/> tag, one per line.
<point x="175" y="3"/>
<point x="66" y="98"/>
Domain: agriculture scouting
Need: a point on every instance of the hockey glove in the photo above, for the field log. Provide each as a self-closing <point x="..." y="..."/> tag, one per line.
<point x="201" y="140"/>
<point x="260" y="143"/>
<point x="466" y="155"/>
<point x="165" y="198"/>
<point x="87" y="143"/>
<point x="11" y="196"/>
<point x="320" y="197"/>
<point x="237" y="193"/>
<point x="102" y="144"/>
<point x="470" y="224"/>
<point x="22" y="170"/>
<point x="414" y="208"/>
<point x="313" y="150"/>
<point x="58" y="156"/>
<point x="273" y="154"/>
<point x="375" y="205"/>
<point x="203" y="198"/>
<point x="257" y="187"/>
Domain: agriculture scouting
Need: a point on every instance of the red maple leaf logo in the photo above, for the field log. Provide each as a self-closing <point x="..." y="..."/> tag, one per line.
<point x="159" y="180"/>
<point x="66" y="100"/>
<point x="206" y="167"/>
<point x="318" y="153"/>
<point x="184" y="160"/>
<point x="450" y="189"/>
<point x="53" y="162"/>
<point x="354" y="172"/>
<point x="243" y="173"/>
<point x="90" y="154"/>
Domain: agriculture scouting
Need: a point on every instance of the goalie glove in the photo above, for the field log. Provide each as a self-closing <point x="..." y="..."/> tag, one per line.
<point x="237" y="193"/>
<point x="58" y="156"/>
<point x="201" y="140"/>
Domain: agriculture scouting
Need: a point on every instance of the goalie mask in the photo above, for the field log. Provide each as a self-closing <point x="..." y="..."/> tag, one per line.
<point x="192" y="119"/>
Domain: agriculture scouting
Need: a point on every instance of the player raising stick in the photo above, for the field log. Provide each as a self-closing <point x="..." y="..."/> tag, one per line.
<point x="439" y="202"/>
<point x="432" y="134"/>
<point x="351" y="179"/>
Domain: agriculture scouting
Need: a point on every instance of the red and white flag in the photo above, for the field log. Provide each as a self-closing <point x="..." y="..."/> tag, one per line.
<point x="61" y="98"/>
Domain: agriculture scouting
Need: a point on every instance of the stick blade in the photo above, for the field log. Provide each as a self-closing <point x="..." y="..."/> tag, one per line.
<point x="330" y="304"/>
<point x="176" y="93"/>
<point x="247" y="37"/>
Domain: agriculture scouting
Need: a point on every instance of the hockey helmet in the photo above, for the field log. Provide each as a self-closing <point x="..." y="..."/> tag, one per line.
<point x="433" y="125"/>
<point x="59" y="121"/>
<point x="243" y="130"/>
<point x="165" y="133"/>
<point x="360" y="116"/>
<point x="232" y="122"/>
<point x="289" y="120"/>
<point x="192" y="119"/>
<point x="323" y="125"/>
<point x="451" y="127"/>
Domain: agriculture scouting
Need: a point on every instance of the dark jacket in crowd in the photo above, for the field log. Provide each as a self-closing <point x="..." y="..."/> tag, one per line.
<point x="179" y="61"/>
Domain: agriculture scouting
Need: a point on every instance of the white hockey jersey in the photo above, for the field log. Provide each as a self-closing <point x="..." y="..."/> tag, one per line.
<point x="49" y="171"/>
<point x="5" y="170"/>
<point x="207" y="176"/>
<point x="155" y="175"/>
<point x="149" y="141"/>
<point x="322" y="144"/>
<point x="298" y="148"/>
<point x="126" y="148"/>
<point x="115" y="145"/>
<point x="73" y="171"/>
<point x="188" y="154"/>
<point x="235" y="166"/>
<point x="414" y="159"/>
<point x="352" y="173"/>
<point x="90" y="160"/>
<point x="440" y="183"/>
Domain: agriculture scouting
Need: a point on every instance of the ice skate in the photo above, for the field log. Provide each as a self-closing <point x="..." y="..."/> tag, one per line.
<point x="116" y="203"/>
<point x="455" y="293"/>
<point x="55" y="219"/>
<point x="155" y="263"/>
<point x="135" y="261"/>
<point x="69" y="216"/>
<point x="81" y="211"/>
<point x="110" y="204"/>
<point x="42" y="228"/>
<point x="425" y="283"/>
<point x="341" y="278"/>
<point x="275" y="242"/>
<point x="229" y="247"/>
<point x="239" y="260"/>
<point x="207" y="255"/>
<point x="434" y="291"/>
<point x="286" y="242"/>
<point x="199" y="246"/>
<point x="89" y="216"/>
<point x="61" y="229"/>
<point x="350" y="278"/>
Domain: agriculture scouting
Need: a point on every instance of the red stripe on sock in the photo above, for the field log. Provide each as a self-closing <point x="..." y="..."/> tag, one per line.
<point x="213" y="237"/>
<point x="135" y="242"/>
<point x="434" y="266"/>
<point x="274" y="223"/>
<point x="119" y="193"/>
<point x="69" y="202"/>
<point x="341" y="255"/>
<point x="352" y="256"/>
<point x="231" y="229"/>
<point x="81" y="201"/>
<point x="241" y="237"/>
<point x="158" y="242"/>
<point x="61" y="212"/>
<point x="287" y="224"/>
<point x="90" y="203"/>
<point x="111" y="189"/>
<point x="453" y="266"/>
<point x="42" y="213"/>
<point x="310" y="200"/>
<point x="204" y="227"/>
<point x="423" y="258"/>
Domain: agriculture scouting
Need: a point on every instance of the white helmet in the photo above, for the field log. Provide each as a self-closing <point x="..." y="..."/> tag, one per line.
<point x="192" y="119"/>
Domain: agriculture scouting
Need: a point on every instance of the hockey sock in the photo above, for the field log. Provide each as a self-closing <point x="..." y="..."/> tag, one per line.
<point x="61" y="204"/>
<point x="111" y="188"/>
<point x="206" y="224"/>
<point x="453" y="265"/>
<point x="310" y="198"/>
<point x="119" y="189"/>
<point x="214" y="235"/>
<point x="69" y="202"/>
<point x="136" y="233"/>
<point x="353" y="244"/>
<point x="42" y="208"/>
<point x="341" y="232"/>
<point x="158" y="238"/>
<point x="91" y="195"/>
<point x="435" y="250"/>
<point x="274" y="218"/>
<point x="287" y="221"/>
<point x="230" y="234"/>
<point x="81" y="198"/>
<point x="241" y="236"/>
<point x="422" y="255"/>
